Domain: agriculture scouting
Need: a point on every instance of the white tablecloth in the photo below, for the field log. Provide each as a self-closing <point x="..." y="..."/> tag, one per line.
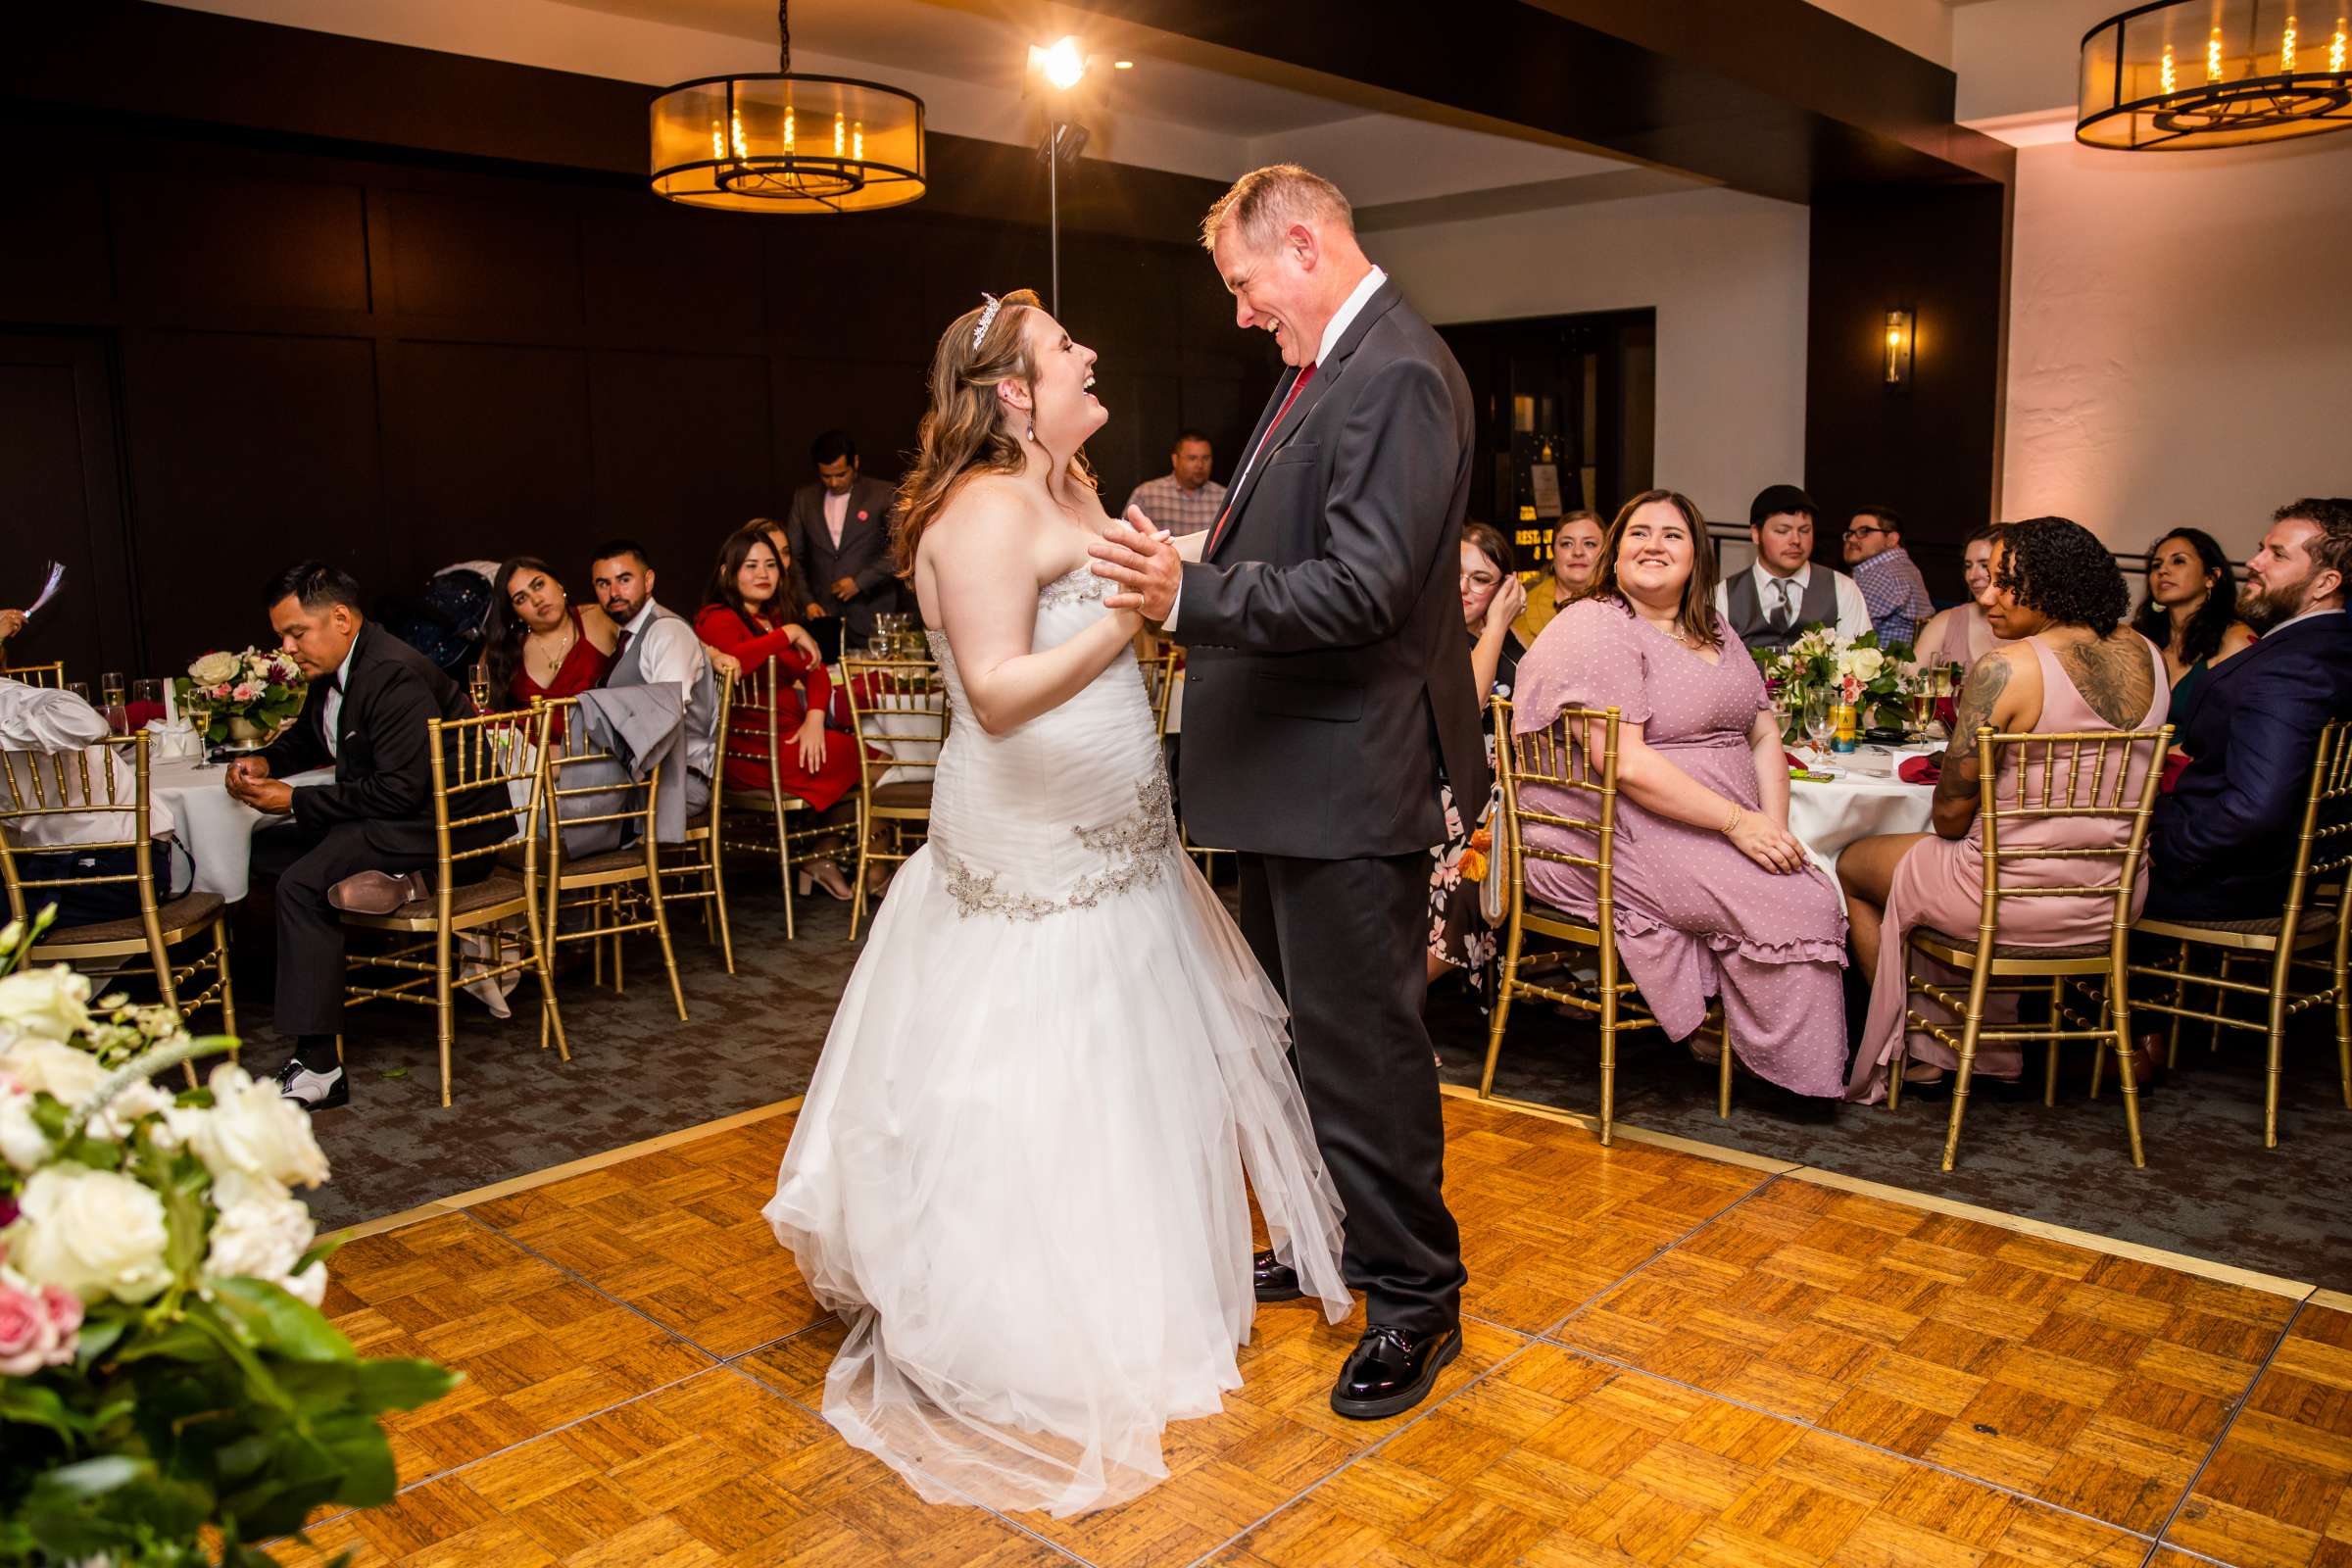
<point x="213" y="825"/>
<point x="1826" y="817"/>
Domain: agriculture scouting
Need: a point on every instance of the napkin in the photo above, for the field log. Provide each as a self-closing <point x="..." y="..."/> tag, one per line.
<point x="2174" y="761"/>
<point x="1921" y="770"/>
<point x="174" y="742"/>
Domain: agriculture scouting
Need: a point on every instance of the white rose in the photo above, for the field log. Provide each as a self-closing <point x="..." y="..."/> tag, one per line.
<point x="254" y="1129"/>
<point x="23" y="1144"/>
<point x="91" y="1232"/>
<point x="308" y="1286"/>
<point x="1868" y="662"/>
<point x="134" y="1099"/>
<point x="52" y="1000"/>
<point x="44" y="1065"/>
<point x="260" y="1233"/>
<point x="213" y="669"/>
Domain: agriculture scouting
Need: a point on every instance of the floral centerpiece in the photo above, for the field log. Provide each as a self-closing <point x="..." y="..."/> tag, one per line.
<point x="169" y="1391"/>
<point x="1855" y="669"/>
<point x="246" y="696"/>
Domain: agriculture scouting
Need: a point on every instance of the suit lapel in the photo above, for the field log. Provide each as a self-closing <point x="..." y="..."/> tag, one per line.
<point x="1326" y="374"/>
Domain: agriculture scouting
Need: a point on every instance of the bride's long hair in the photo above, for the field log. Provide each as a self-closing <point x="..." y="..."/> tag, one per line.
<point x="965" y="432"/>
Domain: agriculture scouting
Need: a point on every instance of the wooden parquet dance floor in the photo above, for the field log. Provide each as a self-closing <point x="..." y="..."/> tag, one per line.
<point x="1671" y="1358"/>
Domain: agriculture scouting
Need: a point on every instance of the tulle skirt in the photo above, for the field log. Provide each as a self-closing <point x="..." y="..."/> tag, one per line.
<point x="1018" y="1176"/>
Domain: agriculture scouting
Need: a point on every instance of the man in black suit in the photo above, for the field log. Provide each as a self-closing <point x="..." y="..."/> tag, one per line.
<point x="370" y="698"/>
<point x="1326" y="695"/>
<point x="839" y="529"/>
<point x="2222" y="845"/>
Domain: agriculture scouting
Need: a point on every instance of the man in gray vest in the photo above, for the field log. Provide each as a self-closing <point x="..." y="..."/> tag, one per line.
<point x="657" y="645"/>
<point x="1785" y="594"/>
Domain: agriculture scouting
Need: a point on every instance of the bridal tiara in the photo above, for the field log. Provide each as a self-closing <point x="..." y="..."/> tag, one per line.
<point x="988" y="317"/>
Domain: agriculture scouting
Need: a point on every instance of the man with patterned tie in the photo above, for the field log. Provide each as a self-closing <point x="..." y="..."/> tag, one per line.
<point x="1785" y="594"/>
<point x="1327" y="697"/>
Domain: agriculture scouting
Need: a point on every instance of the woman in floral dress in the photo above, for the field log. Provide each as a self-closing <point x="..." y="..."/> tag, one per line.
<point x="1459" y="937"/>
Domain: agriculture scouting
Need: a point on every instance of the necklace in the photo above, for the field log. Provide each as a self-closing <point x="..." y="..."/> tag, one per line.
<point x="556" y="663"/>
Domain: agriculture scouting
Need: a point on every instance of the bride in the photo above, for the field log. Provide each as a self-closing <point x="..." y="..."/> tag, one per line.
<point x="1018" y="1171"/>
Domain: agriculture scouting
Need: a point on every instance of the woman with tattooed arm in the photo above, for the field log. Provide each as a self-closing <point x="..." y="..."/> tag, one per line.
<point x="2073" y="665"/>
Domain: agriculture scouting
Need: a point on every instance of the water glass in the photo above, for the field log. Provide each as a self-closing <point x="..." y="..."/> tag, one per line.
<point x="149" y="692"/>
<point x="80" y="688"/>
<point x="1820" y="717"/>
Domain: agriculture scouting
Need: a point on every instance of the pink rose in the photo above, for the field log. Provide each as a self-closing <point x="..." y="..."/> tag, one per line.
<point x="37" y="1328"/>
<point x="245" y="691"/>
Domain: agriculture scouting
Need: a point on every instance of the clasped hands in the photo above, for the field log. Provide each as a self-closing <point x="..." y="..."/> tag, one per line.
<point x="1145" y="566"/>
<point x="249" y="781"/>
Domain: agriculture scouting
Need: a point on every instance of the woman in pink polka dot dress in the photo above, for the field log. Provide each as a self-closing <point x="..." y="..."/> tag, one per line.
<point x="1713" y="894"/>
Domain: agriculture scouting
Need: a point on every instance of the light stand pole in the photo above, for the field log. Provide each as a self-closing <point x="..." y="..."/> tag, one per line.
<point x="1063" y="142"/>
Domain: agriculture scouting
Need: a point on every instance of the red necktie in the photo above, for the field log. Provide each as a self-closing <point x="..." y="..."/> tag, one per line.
<point x="1297" y="387"/>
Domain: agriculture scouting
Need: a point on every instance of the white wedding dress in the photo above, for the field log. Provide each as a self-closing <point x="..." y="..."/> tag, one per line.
<point x="1018" y="1171"/>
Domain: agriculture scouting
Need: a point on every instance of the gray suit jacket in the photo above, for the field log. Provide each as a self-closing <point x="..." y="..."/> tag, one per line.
<point x="864" y="555"/>
<point x="1326" y="681"/>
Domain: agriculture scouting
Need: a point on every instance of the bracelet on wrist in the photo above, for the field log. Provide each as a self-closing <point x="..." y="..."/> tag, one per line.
<point x="1736" y="814"/>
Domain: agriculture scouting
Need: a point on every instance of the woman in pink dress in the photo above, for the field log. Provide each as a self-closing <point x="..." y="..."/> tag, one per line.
<point x="1962" y="635"/>
<point x="2072" y="667"/>
<point x="1713" y="894"/>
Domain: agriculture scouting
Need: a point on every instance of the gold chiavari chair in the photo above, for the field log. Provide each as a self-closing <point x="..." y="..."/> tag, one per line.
<point x="1164" y="678"/>
<point x="697" y="867"/>
<point x="2083" y="775"/>
<point x="51" y="676"/>
<point x="899" y="710"/>
<point x="761" y="819"/>
<point x="1562" y="757"/>
<point x="34" y="787"/>
<point x="495" y="751"/>
<point x="2309" y="934"/>
<point x="591" y="887"/>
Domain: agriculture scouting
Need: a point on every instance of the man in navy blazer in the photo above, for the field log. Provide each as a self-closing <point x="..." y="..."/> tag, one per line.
<point x="2223" y="842"/>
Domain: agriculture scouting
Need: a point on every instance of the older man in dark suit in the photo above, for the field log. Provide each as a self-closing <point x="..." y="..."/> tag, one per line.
<point x="367" y="838"/>
<point x="2222" y="845"/>
<point x="1328" y="693"/>
<point x="839" y="530"/>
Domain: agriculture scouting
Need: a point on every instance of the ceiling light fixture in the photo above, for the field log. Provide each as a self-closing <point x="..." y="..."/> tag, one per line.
<point x="2268" y="74"/>
<point x="786" y="143"/>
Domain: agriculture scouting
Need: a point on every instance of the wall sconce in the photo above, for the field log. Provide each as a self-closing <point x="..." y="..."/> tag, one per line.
<point x="1900" y="333"/>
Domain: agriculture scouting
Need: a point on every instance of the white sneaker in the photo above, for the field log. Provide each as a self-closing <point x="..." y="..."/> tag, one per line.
<point x="314" y="1091"/>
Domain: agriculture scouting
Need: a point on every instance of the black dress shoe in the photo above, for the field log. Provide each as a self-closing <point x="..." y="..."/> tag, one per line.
<point x="1276" y="1280"/>
<point x="1392" y="1370"/>
<point x="314" y="1091"/>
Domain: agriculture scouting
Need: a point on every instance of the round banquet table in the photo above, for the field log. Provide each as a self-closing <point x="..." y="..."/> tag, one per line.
<point x="1827" y="816"/>
<point x="215" y="826"/>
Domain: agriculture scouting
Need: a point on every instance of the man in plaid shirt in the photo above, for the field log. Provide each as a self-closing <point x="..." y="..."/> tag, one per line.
<point x="1891" y="586"/>
<point x="1187" y="500"/>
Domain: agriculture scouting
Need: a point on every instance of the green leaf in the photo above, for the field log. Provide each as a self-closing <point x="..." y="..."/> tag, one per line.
<point x="92" y="1478"/>
<point x="30" y="1403"/>
<point x="393" y="1385"/>
<point x="393" y="1072"/>
<point x="98" y="1338"/>
<point x="277" y="1322"/>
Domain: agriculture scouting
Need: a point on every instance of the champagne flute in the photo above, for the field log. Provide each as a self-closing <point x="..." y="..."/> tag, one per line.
<point x="197" y="708"/>
<point x="1923" y="702"/>
<point x="112" y="685"/>
<point x="477" y="687"/>
<point x="80" y="688"/>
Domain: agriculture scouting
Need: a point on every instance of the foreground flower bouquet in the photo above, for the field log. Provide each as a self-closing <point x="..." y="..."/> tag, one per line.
<point x="168" y="1384"/>
<point x="1855" y="671"/>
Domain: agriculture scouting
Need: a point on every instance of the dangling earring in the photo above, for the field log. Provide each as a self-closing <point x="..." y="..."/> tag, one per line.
<point x="1033" y="431"/>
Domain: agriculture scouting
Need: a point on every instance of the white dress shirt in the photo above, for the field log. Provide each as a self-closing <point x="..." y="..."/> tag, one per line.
<point x="36" y="724"/>
<point x="837" y="514"/>
<point x="1336" y="329"/>
<point x="1853" y="616"/>
<point x="330" y="711"/>
<point x="670" y="651"/>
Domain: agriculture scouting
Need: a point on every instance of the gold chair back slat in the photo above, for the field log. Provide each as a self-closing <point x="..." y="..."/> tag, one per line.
<point x="51" y="675"/>
<point x="38" y="785"/>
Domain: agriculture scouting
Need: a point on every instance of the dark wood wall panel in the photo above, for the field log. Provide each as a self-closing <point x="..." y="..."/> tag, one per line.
<point x="57" y="452"/>
<point x="192" y="244"/>
<point x="246" y="451"/>
<point x="399" y="364"/>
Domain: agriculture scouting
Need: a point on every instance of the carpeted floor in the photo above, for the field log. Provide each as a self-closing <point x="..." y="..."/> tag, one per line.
<point x="2210" y="1189"/>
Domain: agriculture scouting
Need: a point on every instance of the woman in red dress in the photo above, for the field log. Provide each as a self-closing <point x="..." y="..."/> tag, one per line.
<point x="748" y="617"/>
<point x="538" y="642"/>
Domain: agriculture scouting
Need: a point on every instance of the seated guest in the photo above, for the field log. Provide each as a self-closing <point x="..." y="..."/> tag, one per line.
<point x="1963" y="634"/>
<point x="1785" y="594"/>
<point x="1185" y="499"/>
<point x="657" y="645"/>
<point x="1713" y="894"/>
<point x="1459" y="937"/>
<point x="12" y="623"/>
<point x="749" y="616"/>
<point x="840" y="532"/>
<point x="537" y="642"/>
<point x="365" y="837"/>
<point x="2191" y="614"/>
<point x="1575" y="547"/>
<point x="2224" y="839"/>
<point x="38" y="726"/>
<point x="2071" y="665"/>
<point x="1889" y="581"/>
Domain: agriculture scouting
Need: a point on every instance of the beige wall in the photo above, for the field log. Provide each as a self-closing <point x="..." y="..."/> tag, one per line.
<point x="2179" y="337"/>
<point x="1726" y="274"/>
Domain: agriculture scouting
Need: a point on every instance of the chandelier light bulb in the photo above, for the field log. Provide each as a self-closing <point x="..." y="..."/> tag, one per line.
<point x="2169" y="76"/>
<point x="2286" y="46"/>
<point x="2335" y="51"/>
<point x="789" y="136"/>
<point x="718" y="141"/>
<point x="2213" y="56"/>
<point x="840" y="135"/>
<point x="1064" y="65"/>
